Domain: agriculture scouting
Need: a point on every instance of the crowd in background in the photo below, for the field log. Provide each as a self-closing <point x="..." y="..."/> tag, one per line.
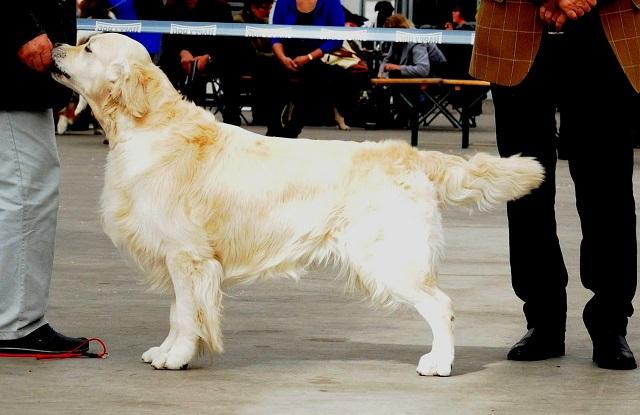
<point x="290" y="82"/>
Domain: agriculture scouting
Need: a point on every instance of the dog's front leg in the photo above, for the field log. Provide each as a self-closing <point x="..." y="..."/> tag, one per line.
<point x="158" y="351"/>
<point x="198" y="309"/>
<point x="184" y="343"/>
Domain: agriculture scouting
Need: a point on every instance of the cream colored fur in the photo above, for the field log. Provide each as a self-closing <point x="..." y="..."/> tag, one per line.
<point x="202" y="205"/>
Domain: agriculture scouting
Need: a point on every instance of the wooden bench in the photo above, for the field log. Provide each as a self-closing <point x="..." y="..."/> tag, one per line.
<point x="439" y="97"/>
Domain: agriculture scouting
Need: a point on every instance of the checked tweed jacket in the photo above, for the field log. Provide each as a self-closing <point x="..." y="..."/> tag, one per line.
<point x="508" y="35"/>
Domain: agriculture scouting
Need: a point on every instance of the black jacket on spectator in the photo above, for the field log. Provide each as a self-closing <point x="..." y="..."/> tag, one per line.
<point x="24" y="89"/>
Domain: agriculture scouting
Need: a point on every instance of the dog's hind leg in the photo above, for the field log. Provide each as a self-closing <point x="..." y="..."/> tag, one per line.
<point x="435" y="307"/>
<point x="390" y="279"/>
<point x="395" y="248"/>
<point x="154" y="352"/>
<point x="196" y="283"/>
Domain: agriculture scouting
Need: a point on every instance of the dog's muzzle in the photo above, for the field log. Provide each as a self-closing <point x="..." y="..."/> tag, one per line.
<point x="58" y="54"/>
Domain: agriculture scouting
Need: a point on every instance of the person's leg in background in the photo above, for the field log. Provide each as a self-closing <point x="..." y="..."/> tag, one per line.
<point x="29" y="181"/>
<point x="263" y="76"/>
<point x="280" y="88"/>
<point x="597" y="119"/>
<point x="305" y="87"/>
<point x="230" y="77"/>
<point x="525" y="124"/>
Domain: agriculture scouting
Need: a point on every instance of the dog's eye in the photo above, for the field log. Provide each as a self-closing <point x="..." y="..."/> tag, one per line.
<point x="87" y="49"/>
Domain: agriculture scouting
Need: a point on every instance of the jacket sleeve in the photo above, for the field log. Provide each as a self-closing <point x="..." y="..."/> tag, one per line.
<point x="421" y="65"/>
<point x="280" y="12"/>
<point x="334" y="16"/>
<point x="385" y="60"/>
<point x="23" y="21"/>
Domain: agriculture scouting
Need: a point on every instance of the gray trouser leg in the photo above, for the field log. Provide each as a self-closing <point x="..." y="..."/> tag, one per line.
<point x="29" y="181"/>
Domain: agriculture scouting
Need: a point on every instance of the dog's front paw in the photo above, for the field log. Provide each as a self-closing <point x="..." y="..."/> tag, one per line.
<point x="175" y="359"/>
<point x="160" y="361"/>
<point x="432" y="365"/>
<point x="151" y="354"/>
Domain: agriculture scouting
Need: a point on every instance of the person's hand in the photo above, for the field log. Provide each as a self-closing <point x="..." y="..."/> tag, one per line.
<point x="576" y="8"/>
<point x="556" y="12"/>
<point x="302" y="60"/>
<point x="185" y="60"/>
<point x="202" y="62"/>
<point x="551" y="14"/>
<point x="289" y="64"/>
<point x="36" y="53"/>
<point x="388" y="67"/>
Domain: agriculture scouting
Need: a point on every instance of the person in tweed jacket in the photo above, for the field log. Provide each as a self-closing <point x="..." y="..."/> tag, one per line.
<point x="582" y="58"/>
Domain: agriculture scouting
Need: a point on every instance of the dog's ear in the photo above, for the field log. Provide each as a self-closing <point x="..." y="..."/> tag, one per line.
<point x="129" y="87"/>
<point x="118" y="70"/>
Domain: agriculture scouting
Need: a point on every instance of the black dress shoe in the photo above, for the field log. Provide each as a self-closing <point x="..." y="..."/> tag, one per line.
<point x="611" y="351"/>
<point x="44" y="340"/>
<point x="537" y="345"/>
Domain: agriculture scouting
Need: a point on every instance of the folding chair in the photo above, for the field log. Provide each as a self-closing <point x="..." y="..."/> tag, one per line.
<point x="206" y="90"/>
<point x="203" y="89"/>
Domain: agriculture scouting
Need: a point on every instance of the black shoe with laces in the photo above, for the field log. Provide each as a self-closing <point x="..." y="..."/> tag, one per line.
<point x="44" y="340"/>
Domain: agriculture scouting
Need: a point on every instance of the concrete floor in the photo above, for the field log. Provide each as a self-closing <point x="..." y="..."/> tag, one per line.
<point x="305" y="348"/>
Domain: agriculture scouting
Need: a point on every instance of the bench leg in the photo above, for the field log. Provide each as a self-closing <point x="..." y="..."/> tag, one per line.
<point x="413" y="118"/>
<point x="465" y="126"/>
<point x="413" y="124"/>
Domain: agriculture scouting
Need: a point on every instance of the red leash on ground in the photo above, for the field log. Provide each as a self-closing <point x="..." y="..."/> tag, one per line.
<point x="65" y="355"/>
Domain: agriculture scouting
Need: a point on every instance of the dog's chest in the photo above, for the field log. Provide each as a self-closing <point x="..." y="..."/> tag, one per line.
<point x="134" y="156"/>
<point x="132" y="215"/>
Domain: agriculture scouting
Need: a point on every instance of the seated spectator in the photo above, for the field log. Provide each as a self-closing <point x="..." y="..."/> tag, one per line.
<point x="256" y="58"/>
<point x="408" y="59"/>
<point x="307" y="76"/>
<point x="404" y="60"/>
<point x="210" y="54"/>
<point x="459" y="20"/>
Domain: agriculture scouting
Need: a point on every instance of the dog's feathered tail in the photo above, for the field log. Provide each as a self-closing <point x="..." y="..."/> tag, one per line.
<point x="482" y="180"/>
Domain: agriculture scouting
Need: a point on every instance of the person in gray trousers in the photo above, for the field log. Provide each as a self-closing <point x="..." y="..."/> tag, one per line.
<point x="30" y="173"/>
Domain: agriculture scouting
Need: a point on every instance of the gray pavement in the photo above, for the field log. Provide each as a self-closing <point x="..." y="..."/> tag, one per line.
<point x="305" y="348"/>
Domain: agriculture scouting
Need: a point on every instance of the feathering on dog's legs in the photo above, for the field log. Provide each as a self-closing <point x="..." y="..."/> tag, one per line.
<point x="183" y="270"/>
<point x="155" y="352"/>
<point x="207" y="294"/>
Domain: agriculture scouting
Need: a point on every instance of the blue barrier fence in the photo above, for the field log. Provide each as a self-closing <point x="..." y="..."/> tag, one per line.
<point x="459" y="37"/>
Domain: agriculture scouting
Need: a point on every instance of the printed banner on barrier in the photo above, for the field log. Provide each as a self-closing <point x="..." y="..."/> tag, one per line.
<point x="280" y="31"/>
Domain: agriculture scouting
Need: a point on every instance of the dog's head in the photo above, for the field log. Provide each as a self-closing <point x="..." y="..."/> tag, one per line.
<point x="109" y="70"/>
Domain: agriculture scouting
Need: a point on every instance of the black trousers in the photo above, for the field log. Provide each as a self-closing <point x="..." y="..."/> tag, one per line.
<point x="315" y="81"/>
<point x="577" y="74"/>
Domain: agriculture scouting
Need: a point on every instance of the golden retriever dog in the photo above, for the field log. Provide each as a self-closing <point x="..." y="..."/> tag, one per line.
<point x="201" y="205"/>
